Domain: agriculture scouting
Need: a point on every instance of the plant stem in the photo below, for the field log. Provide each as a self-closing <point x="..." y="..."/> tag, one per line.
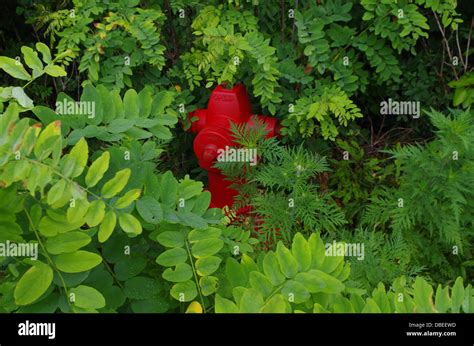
<point x="195" y="274"/>
<point x="33" y="227"/>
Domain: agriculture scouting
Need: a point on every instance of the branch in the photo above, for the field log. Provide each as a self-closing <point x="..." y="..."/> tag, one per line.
<point x="446" y="44"/>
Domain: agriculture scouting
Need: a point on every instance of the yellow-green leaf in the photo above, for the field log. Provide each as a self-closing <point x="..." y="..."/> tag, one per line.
<point x="79" y="153"/>
<point x="130" y="224"/>
<point x="77" y="212"/>
<point x="78" y="261"/>
<point x="116" y="184"/>
<point x="107" y="226"/>
<point x="31" y="58"/>
<point x="14" y="68"/>
<point x="95" y="213"/>
<point x="33" y="284"/>
<point x="44" y="50"/>
<point x="127" y="199"/>
<point x="97" y="169"/>
<point x="67" y="242"/>
<point x="56" y="192"/>
<point x="55" y="71"/>
<point x="87" y="297"/>
<point x="194" y="308"/>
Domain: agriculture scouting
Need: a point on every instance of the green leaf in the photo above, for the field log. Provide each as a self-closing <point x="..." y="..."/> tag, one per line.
<point x="288" y="264"/>
<point x="422" y="294"/>
<point x="223" y="305"/>
<point x="301" y="252"/>
<point x="235" y="273"/>
<point x="181" y="273"/>
<point x="371" y="307"/>
<point x="201" y="203"/>
<point x="162" y="100"/>
<point x="184" y="291"/>
<point x="150" y="210"/>
<point x="130" y="103"/>
<point x="261" y="283"/>
<point x="208" y="233"/>
<point x="31" y="58"/>
<point x="95" y="213"/>
<point x="206" y="247"/>
<point x="50" y="227"/>
<point x="97" y="169"/>
<point x="251" y="301"/>
<point x="457" y="295"/>
<point x="271" y="269"/>
<point x="78" y="261"/>
<point x="317" y="250"/>
<point x="129" y="267"/>
<point x="33" y="284"/>
<point x="141" y="287"/>
<point x="107" y="226"/>
<point x="44" y="50"/>
<point x="208" y="285"/>
<point x="116" y="184"/>
<point x="56" y="192"/>
<point x="144" y="102"/>
<point x="276" y="304"/>
<point x="55" y="71"/>
<point x="442" y="300"/>
<point x="76" y="213"/>
<point x="130" y="224"/>
<point x="192" y="220"/>
<point x="67" y="242"/>
<point x="80" y="153"/>
<point x="23" y="100"/>
<point x="207" y="265"/>
<point x="171" y="239"/>
<point x="172" y="257"/>
<point x="295" y="292"/>
<point x="460" y="95"/>
<point x="127" y="199"/>
<point x="189" y="188"/>
<point x="169" y="189"/>
<point x="14" y="68"/>
<point x="86" y="297"/>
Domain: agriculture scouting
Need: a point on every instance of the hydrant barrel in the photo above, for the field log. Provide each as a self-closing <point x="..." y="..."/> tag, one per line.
<point x="212" y="126"/>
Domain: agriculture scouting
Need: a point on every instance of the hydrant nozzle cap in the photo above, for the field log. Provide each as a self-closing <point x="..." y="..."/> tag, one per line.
<point x="209" y="153"/>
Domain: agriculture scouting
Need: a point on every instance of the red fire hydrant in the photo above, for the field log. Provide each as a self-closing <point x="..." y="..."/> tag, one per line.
<point x="213" y="133"/>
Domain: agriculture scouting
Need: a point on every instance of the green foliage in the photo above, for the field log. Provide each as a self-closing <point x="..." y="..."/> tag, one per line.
<point x="16" y="69"/>
<point x="105" y="115"/>
<point x="282" y="281"/>
<point x="112" y="38"/>
<point x="431" y="208"/>
<point x="322" y="113"/>
<point x="103" y="194"/>
<point x="355" y="174"/>
<point x="306" y="279"/>
<point x="228" y="43"/>
<point x="463" y="90"/>
<point x="280" y="187"/>
<point x="191" y="260"/>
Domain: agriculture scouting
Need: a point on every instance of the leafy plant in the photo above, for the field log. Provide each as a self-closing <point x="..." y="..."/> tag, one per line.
<point x="304" y="279"/>
<point x="434" y="195"/>
<point x="16" y="69"/>
<point x="281" y="188"/>
<point x="314" y="114"/>
<point x="114" y="118"/>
